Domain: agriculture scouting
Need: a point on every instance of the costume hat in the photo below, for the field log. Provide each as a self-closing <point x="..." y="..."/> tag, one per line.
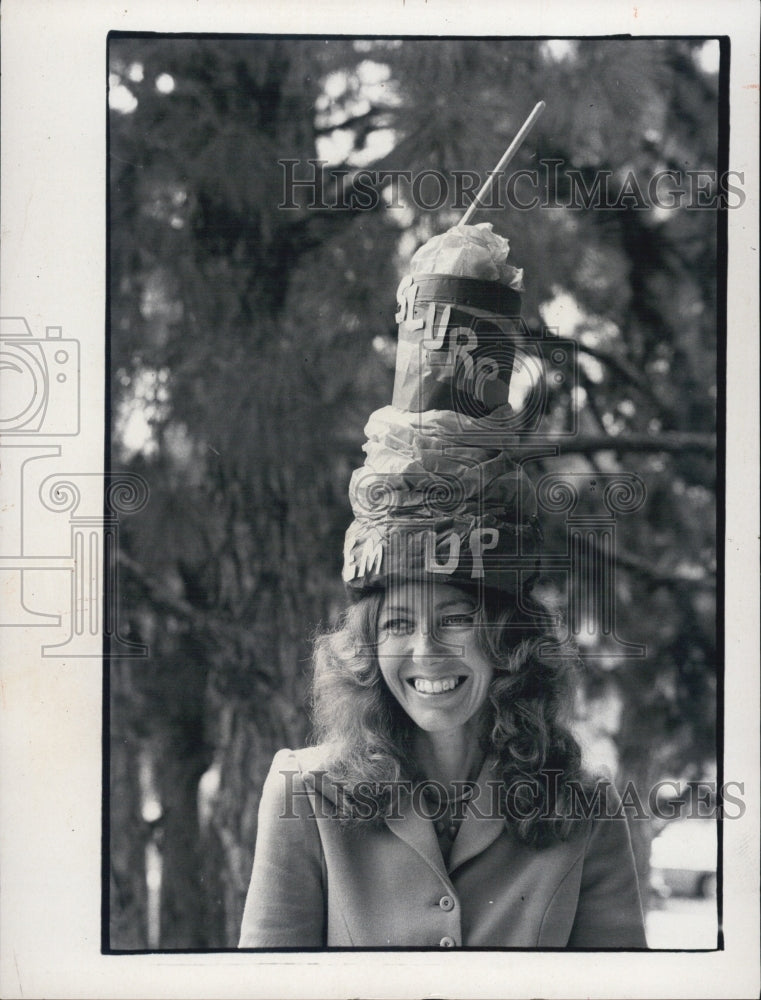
<point x="439" y="496"/>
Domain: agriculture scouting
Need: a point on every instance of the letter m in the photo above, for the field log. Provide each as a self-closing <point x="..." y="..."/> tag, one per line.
<point x="583" y="807"/>
<point x="590" y="196"/>
<point x="371" y="558"/>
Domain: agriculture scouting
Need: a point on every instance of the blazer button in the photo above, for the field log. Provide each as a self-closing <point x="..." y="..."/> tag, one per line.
<point x="446" y="942"/>
<point x="446" y="903"/>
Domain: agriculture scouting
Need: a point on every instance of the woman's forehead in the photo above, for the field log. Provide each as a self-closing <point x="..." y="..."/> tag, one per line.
<point x="413" y="594"/>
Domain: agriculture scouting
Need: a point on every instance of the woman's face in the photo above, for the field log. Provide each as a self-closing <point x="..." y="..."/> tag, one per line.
<point x="429" y="656"/>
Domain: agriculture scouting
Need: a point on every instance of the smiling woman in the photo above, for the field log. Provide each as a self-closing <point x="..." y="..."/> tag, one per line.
<point x="429" y="680"/>
<point x="443" y="804"/>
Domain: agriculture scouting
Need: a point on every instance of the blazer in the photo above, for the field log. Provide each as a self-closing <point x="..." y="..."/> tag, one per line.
<point x="317" y="883"/>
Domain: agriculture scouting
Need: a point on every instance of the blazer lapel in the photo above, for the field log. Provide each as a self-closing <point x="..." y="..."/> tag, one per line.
<point x="482" y="823"/>
<point x="418" y="833"/>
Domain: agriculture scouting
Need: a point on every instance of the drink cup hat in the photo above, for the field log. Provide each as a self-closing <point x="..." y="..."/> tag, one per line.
<point x="439" y="497"/>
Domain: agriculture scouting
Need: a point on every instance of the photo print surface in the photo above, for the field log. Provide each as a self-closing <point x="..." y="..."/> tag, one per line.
<point x="266" y="197"/>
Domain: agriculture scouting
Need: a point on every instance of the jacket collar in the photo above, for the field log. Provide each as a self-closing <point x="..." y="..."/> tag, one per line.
<point x="480" y="827"/>
<point x="482" y="823"/>
<point x="418" y="833"/>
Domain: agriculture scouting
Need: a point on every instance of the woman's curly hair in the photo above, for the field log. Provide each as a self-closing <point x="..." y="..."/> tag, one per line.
<point x="368" y="735"/>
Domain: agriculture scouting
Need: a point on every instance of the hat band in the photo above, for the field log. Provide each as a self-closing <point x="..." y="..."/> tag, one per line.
<point x="472" y="293"/>
<point x="467" y="550"/>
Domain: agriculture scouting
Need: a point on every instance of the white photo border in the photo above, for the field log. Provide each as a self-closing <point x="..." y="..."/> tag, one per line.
<point x="54" y="275"/>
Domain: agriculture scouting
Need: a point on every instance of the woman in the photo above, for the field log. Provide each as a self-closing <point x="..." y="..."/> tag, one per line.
<point x="443" y="805"/>
<point x="402" y="709"/>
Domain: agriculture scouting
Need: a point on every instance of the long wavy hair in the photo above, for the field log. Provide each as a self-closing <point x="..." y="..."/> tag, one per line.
<point x="368" y="736"/>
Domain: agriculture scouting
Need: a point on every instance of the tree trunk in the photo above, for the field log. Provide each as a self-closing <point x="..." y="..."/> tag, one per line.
<point x="249" y="734"/>
<point x="128" y="920"/>
<point x="183" y="911"/>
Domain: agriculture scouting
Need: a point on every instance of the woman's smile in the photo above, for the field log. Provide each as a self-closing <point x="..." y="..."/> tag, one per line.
<point x="441" y="685"/>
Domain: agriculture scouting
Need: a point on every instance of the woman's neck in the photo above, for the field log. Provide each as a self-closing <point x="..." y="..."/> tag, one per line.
<point x="448" y="756"/>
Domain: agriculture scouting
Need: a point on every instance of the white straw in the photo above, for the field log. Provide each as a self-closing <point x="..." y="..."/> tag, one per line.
<point x="500" y="168"/>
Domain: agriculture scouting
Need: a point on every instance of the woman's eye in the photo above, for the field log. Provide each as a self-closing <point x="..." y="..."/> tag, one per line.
<point x="459" y="621"/>
<point x="397" y="626"/>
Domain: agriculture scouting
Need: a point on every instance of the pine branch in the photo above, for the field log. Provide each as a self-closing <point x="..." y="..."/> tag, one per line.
<point x="352" y="121"/>
<point x="624" y="371"/>
<point x="628" y="561"/>
<point x="671" y="442"/>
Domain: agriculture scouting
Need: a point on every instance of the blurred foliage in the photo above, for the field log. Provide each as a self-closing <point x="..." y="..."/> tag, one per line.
<point x="249" y="344"/>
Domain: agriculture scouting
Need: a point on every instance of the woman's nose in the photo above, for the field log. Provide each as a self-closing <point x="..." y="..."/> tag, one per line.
<point x="426" y="644"/>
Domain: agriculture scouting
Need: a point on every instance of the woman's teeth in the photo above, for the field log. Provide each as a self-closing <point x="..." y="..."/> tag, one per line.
<point x="425" y="686"/>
